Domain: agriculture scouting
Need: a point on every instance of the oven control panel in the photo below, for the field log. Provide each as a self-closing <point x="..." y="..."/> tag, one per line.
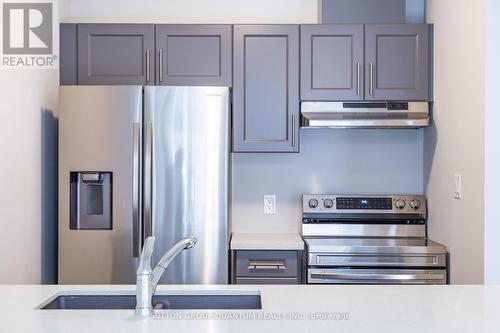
<point x="332" y="203"/>
<point x="364" y="203"/>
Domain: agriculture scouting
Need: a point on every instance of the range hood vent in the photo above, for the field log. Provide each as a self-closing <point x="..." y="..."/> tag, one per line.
<point x="365" y="114"/>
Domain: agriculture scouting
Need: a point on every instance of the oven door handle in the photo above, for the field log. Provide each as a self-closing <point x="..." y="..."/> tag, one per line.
<point x="376" y="276"/>
<point x="377" y="260"/>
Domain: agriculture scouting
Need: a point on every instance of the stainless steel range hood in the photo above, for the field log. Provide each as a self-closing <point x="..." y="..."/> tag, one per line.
<point x="365" y="114"/>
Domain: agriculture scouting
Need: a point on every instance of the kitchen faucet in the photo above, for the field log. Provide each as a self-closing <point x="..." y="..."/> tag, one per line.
<point x="147" y="279"/>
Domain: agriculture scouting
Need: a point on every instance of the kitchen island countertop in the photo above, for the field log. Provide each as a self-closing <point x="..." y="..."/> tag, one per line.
<point x="298" y="308"/>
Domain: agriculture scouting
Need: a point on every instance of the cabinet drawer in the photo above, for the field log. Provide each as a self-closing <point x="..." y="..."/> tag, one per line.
<point x="267" y="281"/>
<point x="266" y="264"/>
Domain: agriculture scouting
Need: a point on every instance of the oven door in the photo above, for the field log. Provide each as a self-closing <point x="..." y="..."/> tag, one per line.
<point x="375" y="276"/>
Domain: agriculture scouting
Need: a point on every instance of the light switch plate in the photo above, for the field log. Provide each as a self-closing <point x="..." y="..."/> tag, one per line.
<point x="269" y="204"/>
<point x="457" y="194"/>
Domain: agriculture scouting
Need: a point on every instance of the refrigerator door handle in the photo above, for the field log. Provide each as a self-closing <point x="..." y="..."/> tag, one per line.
<point x="136" y="194"/>
<point x="148" y="181"/>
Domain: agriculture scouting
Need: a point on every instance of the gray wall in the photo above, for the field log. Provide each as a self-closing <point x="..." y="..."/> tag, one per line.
<point x="371" y="11"/>
<point x="341" y="161"/>
<point x="415" y="11"/>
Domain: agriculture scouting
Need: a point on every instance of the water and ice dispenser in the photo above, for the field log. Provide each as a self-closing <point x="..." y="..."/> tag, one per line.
<point x="91" y="200"/>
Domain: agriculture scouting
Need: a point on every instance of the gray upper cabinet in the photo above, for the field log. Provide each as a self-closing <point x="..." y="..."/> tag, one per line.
<point x="266" y="88"/>
<point x="115" y="54"/>
<point x="68" y="71"/>
<point x="397" y="62"/>
<point x="195" y="55"/>
<point x="331" y="60"/>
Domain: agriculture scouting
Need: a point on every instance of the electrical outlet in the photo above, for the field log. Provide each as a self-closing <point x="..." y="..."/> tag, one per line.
<point x="457" y="194"/>
<point x="269" y="204"/>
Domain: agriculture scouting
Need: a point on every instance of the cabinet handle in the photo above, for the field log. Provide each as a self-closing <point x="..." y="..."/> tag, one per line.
<point x="148" y="66"/>
<point x="161" y="65"/>
<point x="371" y="78"/>
<point x="293" y="130"/>
<point x="357" y="74"/>
<point x="267" y="265"/>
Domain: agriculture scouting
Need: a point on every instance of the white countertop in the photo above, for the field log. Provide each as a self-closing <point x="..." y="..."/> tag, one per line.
<point x="384" y="309"/>
<point x="266" y="241"/>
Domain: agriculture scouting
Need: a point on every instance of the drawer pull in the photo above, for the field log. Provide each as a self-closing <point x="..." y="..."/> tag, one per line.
<point x="266" y="265"/>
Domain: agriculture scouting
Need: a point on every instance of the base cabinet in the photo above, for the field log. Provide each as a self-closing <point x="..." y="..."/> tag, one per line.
<point x="243" y="280"/>
<point x="266" y="267"/>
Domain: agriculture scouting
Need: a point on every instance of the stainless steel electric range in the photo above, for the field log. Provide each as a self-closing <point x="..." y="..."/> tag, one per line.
<point x="362" y="239"/>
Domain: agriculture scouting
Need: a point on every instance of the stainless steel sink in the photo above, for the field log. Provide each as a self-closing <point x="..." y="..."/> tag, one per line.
<point x="124" y="302"/>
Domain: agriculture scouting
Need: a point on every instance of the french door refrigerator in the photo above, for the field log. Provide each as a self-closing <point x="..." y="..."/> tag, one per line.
<point x="137" y="161"/>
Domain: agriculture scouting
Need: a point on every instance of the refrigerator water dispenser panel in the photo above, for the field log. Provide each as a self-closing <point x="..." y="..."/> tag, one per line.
<point x="91" y="201"/>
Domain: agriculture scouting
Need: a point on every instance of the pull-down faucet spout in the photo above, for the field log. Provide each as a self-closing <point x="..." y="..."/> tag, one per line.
<point x="147" y="278"/>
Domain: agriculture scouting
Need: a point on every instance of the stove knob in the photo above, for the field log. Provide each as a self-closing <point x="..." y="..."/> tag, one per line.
<point x="415" y="204"/>
<point x="400" y="204"/>
<point x="313" y="203"/>
<point x="328" y="203"/>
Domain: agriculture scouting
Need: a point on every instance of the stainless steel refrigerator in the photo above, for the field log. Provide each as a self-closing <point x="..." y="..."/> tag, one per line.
<point x="137" y="161"/>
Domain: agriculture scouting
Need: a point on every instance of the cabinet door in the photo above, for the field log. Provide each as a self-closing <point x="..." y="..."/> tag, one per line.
<point x="266" y="88"/>
<point x="331" y="62"/>
<point x="194" y="55"/>
<point x="115" y="54"/>
<point x="397" y="62"/>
